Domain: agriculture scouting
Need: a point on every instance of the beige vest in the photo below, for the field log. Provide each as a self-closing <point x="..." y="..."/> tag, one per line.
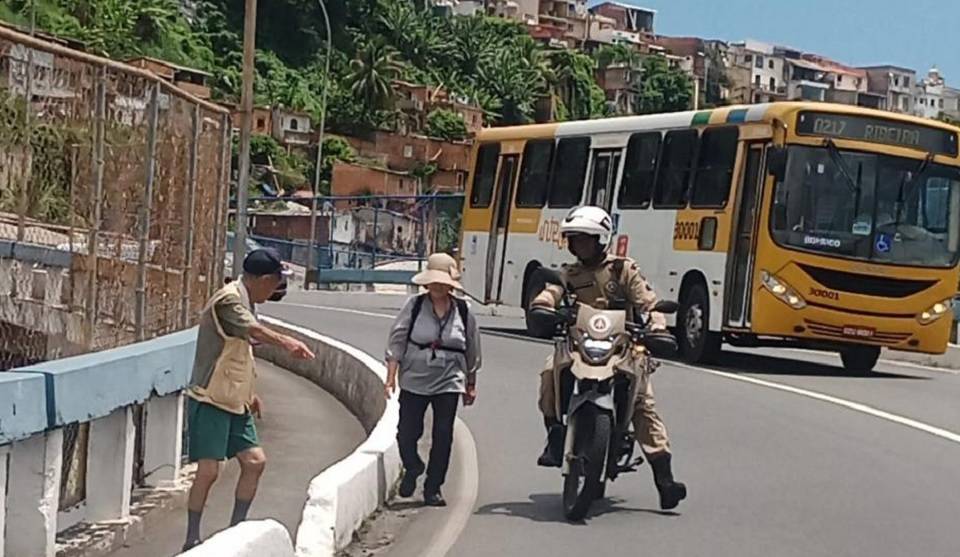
<point x="231" y="385"/>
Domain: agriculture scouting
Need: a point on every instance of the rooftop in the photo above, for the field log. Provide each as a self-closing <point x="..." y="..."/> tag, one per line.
<point x="177" y="67"/>
<point x="624" y="5"/>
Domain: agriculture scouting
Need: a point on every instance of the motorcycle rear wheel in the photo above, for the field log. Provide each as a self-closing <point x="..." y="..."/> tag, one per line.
<point x="585" y="480"/>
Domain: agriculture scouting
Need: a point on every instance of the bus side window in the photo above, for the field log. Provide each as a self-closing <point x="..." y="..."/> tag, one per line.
<point x="484" y="175"/>
<point x="676" y="167"/>
<point x="569" y="172"/>
<point x="535" y="174"/>
<point x="639" y="171"/>
<point x="718" y="153"/>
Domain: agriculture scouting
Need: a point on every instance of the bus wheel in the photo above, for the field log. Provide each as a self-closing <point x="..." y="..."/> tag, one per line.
<point x="860" y="359"/>
<point x="697" y="343"/>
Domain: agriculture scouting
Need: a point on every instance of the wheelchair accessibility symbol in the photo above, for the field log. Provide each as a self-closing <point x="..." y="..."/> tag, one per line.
<point x="883" y="243"/>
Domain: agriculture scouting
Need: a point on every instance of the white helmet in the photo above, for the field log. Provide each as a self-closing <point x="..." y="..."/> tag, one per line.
<point x="589" y="220"/>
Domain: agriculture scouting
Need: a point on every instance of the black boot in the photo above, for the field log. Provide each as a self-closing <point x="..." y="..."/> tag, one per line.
<point x="552" y="456"/>
<point x="671" y="492"/>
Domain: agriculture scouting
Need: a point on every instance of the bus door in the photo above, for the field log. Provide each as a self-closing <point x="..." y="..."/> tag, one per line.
<point x="603" y="177"/>
<point x="740" y="263"/>
<point x="499" y="224"/>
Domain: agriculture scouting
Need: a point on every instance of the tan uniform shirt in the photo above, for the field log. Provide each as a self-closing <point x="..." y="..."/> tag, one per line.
<point x="615" y="283"/>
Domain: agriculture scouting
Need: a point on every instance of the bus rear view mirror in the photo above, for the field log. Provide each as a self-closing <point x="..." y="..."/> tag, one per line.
<point x="777" y="162"/>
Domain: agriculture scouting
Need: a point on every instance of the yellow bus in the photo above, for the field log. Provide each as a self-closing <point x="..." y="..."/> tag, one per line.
<point x="808" y="225"/>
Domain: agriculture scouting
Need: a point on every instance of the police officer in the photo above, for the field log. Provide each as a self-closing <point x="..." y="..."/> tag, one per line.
<point x="602" y="280"/>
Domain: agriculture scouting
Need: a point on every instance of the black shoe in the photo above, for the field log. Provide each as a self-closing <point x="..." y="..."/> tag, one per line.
<point x="434" y="499"/>
<point x="671" y="491"/>
<point x="408" y="484"/>
<point x="552" y="456"/>
<point x="190" y="545"/>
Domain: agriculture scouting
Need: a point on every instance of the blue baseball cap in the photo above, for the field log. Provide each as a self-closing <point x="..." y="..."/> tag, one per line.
<point x="263" y="262"/>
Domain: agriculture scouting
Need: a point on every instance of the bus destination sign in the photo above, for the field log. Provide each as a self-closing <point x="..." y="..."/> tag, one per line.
<point x="878" y="130"/>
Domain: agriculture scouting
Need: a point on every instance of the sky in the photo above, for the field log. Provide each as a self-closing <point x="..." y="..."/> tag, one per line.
<point x="912" y="33"/>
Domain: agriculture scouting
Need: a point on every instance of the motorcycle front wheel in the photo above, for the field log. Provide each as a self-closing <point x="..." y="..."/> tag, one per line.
<point x="584" y="481"/>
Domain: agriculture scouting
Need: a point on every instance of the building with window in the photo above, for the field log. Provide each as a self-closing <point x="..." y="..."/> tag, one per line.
<point x="627" y="17"/>
<point x="191" y="80"/>
<point x="763" y="66"/>
<point x="894" y="85"/>
<point x="933" y="99"/>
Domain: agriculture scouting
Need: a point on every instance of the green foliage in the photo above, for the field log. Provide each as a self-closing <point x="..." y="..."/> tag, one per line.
<point x="608" y="55"/>
<point x="335" y="149"/>
<point x="446" y="124"/>
<point x="491" y="61"/>
<point x="664" y="89"/>
<point x="121" y="28"/>
<point x="372" y="73"/>
<point x="46" y="153"/>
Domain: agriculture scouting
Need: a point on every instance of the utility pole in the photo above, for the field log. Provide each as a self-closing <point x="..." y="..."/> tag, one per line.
<point x="246" y="125"/>
<point x="311" y="251"/>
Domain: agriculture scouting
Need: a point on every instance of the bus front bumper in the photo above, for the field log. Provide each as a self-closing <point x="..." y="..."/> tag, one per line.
<point x="818" y="325"/>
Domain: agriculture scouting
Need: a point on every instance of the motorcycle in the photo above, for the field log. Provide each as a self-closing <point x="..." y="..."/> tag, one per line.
<point x="601" y="361"/>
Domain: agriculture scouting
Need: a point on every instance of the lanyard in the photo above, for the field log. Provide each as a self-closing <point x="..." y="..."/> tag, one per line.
<point x="442" y="322"/>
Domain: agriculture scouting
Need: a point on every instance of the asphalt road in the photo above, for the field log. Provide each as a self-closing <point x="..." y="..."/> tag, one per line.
<point x="783" y="452"/>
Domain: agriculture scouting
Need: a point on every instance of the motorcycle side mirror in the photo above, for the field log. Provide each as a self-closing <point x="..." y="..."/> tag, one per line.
<point x="777" y="162"/>
<point x="666" y="307"/>
<point x="660" y="345"/>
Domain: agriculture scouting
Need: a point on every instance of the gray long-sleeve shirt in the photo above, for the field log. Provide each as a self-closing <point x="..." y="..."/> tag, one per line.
<point x="425" y="371"/>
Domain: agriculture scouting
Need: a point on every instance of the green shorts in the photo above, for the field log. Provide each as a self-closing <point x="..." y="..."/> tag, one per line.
<point x="216" y="434"/>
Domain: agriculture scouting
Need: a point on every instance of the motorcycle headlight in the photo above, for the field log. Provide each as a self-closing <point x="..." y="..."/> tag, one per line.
<point x="782" y="290"/>
<point x="597" y="349"/>
<point x="935" y="312"/>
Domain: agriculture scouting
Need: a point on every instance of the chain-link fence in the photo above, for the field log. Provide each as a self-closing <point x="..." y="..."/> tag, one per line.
<point x="369" y="231"/>
<point x="112" y="207"/>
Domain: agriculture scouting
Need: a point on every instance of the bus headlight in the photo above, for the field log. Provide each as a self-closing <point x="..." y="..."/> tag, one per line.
<point x="935" y="312"/>
<point x="781" y="290"/>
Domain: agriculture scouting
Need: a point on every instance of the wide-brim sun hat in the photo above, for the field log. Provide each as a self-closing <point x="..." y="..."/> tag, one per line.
<point x="441" y="269"/>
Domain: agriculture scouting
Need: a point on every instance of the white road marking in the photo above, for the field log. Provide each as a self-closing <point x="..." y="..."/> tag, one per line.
<point x="855" y="406"/>
<point x="848" y="404"/>
<point x="465" y="498"/>
<point x="886" y="361"/>
<point x="340" y="310"/>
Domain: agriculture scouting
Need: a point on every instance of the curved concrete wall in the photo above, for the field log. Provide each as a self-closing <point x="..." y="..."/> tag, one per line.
<point x="345" y="494"/>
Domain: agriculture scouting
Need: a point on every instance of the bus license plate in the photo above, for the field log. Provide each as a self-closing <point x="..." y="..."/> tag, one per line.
<point x="858" y="332"/>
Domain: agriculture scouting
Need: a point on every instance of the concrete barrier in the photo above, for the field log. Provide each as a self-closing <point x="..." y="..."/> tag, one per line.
<point x="99" y="389"/>
<point x="255" y="538"/>
<point x="341" y="497"/>
<point x="345" y="494"/>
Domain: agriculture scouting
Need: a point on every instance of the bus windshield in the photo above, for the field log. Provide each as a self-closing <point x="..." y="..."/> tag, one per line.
<point x="868" y="206"/>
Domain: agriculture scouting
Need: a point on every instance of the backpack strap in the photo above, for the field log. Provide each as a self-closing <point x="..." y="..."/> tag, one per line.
<point x="463" y="311"/>
<point x="414" y="313"/>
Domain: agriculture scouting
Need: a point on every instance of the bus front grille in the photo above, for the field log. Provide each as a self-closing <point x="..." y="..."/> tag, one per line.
<point x="868" y="285"/>
<point x="855" y="333"/>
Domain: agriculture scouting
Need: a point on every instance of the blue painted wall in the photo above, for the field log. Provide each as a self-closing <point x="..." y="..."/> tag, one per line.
<point x="23" y="405"/>
<point x="91" y="386"/>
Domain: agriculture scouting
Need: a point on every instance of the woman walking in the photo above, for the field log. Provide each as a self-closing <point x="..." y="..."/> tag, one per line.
<point x="434" y="350"/>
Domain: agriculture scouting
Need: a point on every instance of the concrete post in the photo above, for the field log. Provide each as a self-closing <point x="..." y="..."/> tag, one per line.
<point x="34" y="496"/>
<point x="110" y="466"/>
<point x="4" y="456"/>
<point x="163" y="446"/>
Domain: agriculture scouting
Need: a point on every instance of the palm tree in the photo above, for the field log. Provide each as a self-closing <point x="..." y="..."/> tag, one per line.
<point x="372" y="73"/>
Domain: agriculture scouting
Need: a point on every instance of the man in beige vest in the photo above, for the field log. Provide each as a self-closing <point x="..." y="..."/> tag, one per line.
<point x="222" y="399"/>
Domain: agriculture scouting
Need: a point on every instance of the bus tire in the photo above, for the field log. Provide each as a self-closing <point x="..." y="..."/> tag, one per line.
<point x="698" y="345"/>
<point x="860" y="359"/>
